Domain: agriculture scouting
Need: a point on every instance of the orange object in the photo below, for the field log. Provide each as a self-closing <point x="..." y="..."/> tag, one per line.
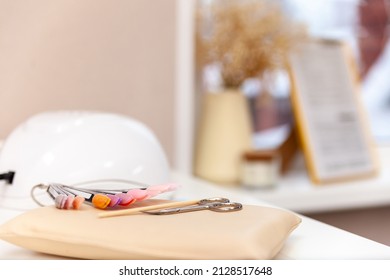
<point x="77" y="202"/>
<point x="101" y="201"/>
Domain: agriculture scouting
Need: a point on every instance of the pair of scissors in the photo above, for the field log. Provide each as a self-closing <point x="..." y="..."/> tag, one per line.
<point x="217" y="204"/>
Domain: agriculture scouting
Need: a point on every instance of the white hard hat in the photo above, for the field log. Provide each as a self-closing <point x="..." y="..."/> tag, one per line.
<point x="71" y="147"/>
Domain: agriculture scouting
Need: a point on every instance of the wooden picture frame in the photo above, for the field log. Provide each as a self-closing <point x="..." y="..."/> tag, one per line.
<point x="333" y="130"/>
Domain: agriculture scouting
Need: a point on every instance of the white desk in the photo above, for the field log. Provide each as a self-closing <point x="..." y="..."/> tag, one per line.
<point x="311" y="240"/>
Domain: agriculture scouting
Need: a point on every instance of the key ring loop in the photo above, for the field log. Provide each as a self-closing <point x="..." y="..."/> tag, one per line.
<point x="213" y="200"/>
<point x="226" y="207"/>
<point x="33" y="195"/>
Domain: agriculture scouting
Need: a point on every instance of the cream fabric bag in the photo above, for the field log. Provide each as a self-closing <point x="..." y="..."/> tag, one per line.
<point x="255" y="232"/>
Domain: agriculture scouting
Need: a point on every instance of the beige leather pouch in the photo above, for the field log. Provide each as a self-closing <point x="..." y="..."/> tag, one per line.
<point x="255" y="232"/>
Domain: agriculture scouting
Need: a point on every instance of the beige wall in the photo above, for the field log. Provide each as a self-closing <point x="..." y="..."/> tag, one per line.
<point x="114" y="56"/>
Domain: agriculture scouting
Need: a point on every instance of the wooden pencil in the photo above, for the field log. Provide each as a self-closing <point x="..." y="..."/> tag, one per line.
<point x="146" y="208"/>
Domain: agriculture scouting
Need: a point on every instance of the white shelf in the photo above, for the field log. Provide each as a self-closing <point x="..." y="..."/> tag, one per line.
<point x="295" y="191"/>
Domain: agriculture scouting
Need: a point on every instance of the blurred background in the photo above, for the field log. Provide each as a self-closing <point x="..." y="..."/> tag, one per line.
<point x="364" y="27"/>
<point x="165" y="63"/>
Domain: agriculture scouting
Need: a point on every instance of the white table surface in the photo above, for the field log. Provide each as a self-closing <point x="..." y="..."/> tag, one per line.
<point x="311" y="240"/>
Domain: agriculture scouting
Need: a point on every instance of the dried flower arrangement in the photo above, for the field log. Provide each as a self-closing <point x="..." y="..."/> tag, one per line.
<point x="245" y="38"/>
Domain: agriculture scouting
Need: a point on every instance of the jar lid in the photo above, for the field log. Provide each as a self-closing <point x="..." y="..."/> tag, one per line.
<point x="260" y="155"/>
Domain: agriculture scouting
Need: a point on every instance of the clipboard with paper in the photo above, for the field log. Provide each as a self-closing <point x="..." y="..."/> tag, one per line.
<point x="334" y="134"/>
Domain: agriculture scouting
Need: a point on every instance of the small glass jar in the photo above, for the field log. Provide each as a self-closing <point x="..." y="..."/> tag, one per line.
<point x="260" y="169"/>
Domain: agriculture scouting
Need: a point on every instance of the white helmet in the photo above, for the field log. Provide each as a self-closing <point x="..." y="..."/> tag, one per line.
<point x="75" y="147"/>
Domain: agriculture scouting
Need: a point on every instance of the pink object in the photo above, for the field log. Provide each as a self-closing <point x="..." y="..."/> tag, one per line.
<point x="158" y="189"/>
<point x="152" y="193"/>
<point x="69" y="201"/>
<point x="115" y="200"/>
<point x="126" y="199"/>
<point x="138" y="194"/>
